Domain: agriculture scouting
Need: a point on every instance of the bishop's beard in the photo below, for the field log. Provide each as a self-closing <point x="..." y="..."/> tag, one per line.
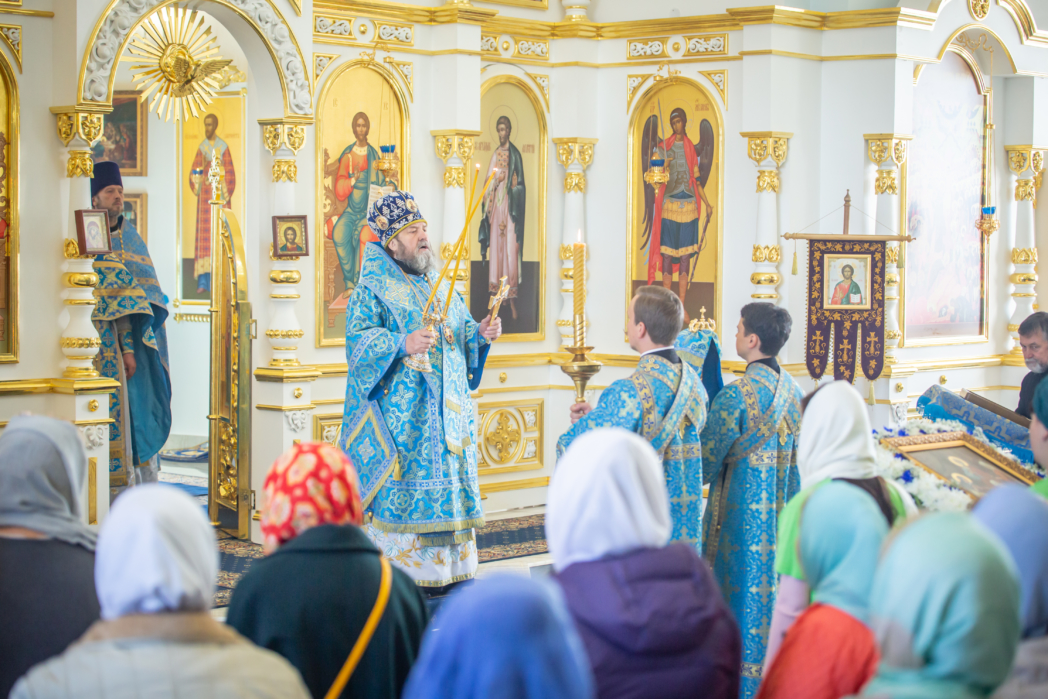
<point x="422" y="261"/>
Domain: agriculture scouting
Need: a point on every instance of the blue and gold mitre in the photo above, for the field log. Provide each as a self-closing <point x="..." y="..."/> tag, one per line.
<point x="391" y="214"/>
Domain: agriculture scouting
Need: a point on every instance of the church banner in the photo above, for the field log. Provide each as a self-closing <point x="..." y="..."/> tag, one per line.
<point x="845" y="295"/>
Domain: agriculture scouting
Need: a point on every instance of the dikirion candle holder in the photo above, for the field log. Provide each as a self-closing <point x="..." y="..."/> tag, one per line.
<point x="388" y="163"/>
<point x="988" y="223"/>
<point x="656" y="174"/>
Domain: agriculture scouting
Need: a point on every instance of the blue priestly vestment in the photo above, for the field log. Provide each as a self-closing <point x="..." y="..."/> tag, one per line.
<point x="411" y="434"/>
<point x="749" y="449"/>
<point x="666" y="404"/>
<point x="129" y="314"/>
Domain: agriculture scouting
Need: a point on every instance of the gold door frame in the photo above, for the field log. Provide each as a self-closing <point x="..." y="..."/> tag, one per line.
<point x="229" y="502"/>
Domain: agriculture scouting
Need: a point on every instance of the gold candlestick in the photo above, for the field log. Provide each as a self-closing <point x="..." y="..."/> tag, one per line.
<point x="581" y="368"/>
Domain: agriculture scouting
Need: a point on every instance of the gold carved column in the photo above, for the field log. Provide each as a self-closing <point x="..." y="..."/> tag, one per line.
<point x="768" y="150"/>
<point x="1026" y="163"/>
<point x="79" y="342"/>
<point x="888" y="153"/>
<point x="575" y="155"/>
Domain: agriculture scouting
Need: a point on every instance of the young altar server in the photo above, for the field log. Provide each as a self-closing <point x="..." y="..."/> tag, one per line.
<point x="831" y="652"/>
<point x="411" y="432"/>
<point x="649" y="613"/>
<point x="749" y="453"/>
<point x="1020" y="519"/>
<point x="835" y="444"/>
<point x="663" y="401"/>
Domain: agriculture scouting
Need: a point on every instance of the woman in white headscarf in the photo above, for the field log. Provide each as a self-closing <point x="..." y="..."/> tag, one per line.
<point x="836" y="444"/>
<point x="47" y="552"/>
<point x="650" y="615"/>
<point x="155" y="572"/>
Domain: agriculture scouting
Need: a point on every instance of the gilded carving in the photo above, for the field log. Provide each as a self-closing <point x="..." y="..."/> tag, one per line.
<point x="758" y="150"/>
<point x="66" y="128"/>
<point x="277" y="133"/>
<point x="779" y="146"/>
<point x="764" y="278"/>
<point x="584" y="153"/>
<point x="979" y="8"/>
<point x="886" y="182"/>
<point x="1024" y="190"/>
<point x="899" y="152"/>
<point x="1037" y="161"/>
<point x="1024" y="256"/>
<point x="80" y="164"/>
<point x="878" y="151"/>
<point x="122" y="15"/>
<point x="285" y="276"/>
<point x="565" y="153"/>
<point x="891" y="254"/>
<point x="766" y="253"/>
<point x="285" y="170"/>
<point x="510" y="436"/>
<point x="566" y="252"/>
<point x="80" y="342"/>
<point x="1018" y="161"/>
<point x="465" y="148"/>
<point x="892" y="335"/>
<point x="575" y="182"/>
<point x="271" y="137"/>
<point x="1023" y="278"/>
<point x="891" y="279"/>
<point x="286" y="334"/>
<point x="454" y="176"/>
<point x="503" y="437"/>
<point x="767" y="181"/>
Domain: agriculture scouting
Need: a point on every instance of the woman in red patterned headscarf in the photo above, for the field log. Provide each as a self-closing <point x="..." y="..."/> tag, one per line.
<point x="310" y="598"/>
<point x="309" y="485"/>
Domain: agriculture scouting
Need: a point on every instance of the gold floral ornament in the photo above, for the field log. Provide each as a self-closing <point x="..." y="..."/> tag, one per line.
<point x="179" y="63"/>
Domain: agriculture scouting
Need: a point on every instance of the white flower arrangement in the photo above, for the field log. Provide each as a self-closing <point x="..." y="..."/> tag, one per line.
<point x="930" y="491"/>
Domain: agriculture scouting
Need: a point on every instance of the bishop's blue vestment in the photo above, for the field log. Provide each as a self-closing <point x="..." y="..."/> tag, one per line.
<point x="129" y="314"/>
<point x="749" y="449"/>
<point x="411" y="435"/>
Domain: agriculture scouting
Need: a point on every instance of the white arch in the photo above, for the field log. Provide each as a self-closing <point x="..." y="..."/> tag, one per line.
<point x="122" y="17"/>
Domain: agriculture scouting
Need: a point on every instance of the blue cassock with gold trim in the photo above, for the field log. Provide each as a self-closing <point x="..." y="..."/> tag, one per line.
<point x="411" y="434"/>
<point x="129" y="314"/>
<point x="666" y="404"/>
<point x="749" y="448"/>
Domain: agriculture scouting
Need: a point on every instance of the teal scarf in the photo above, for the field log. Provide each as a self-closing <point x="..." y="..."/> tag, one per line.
<point x="945" y="610"/>
<point x="841" y="533"/>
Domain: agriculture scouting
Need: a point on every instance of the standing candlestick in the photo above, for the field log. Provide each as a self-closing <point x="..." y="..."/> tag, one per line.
<point x="578" y="279"/>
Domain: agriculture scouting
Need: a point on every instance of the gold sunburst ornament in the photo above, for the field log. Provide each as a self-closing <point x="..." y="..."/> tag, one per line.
<point x="179" y="62"/>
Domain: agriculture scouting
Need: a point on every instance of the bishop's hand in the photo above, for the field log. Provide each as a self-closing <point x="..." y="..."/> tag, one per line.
<point x="491" y="330"/>
<point x="420" y="341"/>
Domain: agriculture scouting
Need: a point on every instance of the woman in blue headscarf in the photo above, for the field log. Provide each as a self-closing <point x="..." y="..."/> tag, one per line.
<point x="945" y="610"/>
<point x="1020" y="518"/>
<point x="508" y="637"/>
<point x="830" y="652"/>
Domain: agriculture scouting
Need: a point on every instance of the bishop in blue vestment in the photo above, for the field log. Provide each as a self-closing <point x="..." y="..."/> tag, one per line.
<point x="664" y="401"/>
<point x="411" y="433"/>
<point x="749" y="449"/>
<point x="129" y="315"/>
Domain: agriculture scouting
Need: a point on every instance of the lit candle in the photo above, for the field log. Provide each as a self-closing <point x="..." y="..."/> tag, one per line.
<point x="578" y="277"/>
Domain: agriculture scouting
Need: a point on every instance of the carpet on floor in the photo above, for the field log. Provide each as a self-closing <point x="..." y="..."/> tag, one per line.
<point x="496" y="541"/>
<point x="193" y="455"/>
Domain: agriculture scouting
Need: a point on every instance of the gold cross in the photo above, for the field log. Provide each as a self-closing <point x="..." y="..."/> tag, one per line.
<point x="504" y="437"/>
<point x="496" y="301"/>
<point x="784" y="432"/>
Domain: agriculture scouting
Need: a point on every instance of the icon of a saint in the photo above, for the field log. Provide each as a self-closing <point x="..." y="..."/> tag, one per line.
<point x="290" y="244"/>
<point x="202" y="188"/>
<point x="93" y="236"/>
<point x="502" y="228"/>
<point x="847" y="291"/>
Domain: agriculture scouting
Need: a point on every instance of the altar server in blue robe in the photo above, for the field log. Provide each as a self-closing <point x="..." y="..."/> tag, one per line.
<point x="663" y="401"/>
<point x="129" y="315"/>
<point x="749" y="450"/>
<point x="410" y="433"/>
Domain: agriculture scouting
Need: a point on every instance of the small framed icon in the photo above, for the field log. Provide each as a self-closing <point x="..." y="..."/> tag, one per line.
<point x="92" y="232"/>
<point x="290" y="237"/>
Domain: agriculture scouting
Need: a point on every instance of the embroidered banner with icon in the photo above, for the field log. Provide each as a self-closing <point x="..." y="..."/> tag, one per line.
<point x="845" y="295"/>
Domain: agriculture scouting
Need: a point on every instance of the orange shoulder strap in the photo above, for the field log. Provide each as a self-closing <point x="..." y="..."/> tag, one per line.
<point x="365" y="635"/>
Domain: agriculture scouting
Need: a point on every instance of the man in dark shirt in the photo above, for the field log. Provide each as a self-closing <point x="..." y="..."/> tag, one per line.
<point x="1033" y="338"/>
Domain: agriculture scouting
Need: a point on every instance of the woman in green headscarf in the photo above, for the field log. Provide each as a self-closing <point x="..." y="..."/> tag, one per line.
<point x="945" y="610"/>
